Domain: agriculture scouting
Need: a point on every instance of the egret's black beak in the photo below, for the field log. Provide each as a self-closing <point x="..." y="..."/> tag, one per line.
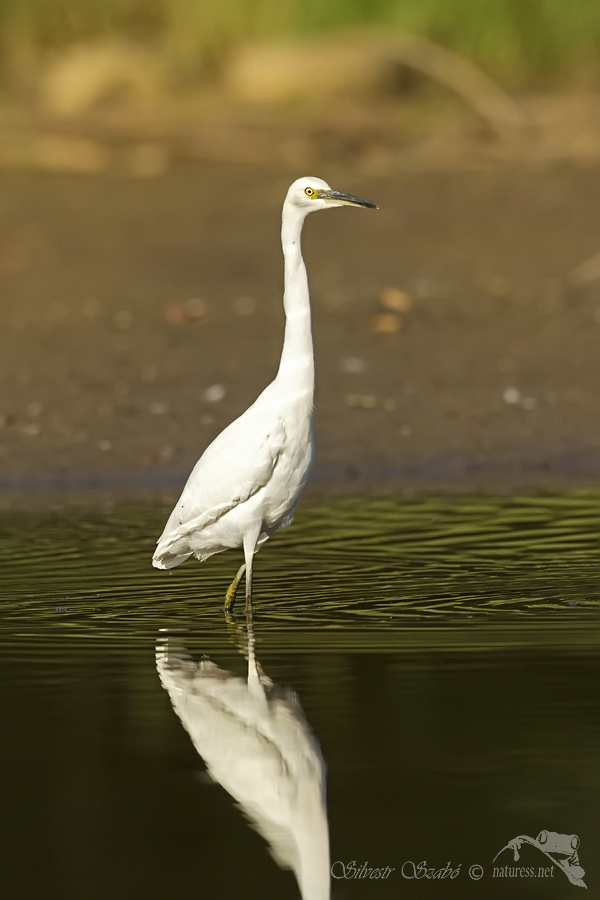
<point x="346" y="199"/>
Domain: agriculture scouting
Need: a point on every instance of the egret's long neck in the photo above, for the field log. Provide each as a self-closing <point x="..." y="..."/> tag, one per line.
<point x="297" y="366"/>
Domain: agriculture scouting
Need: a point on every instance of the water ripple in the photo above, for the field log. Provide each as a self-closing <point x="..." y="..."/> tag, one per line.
<point x="367" y="573"/>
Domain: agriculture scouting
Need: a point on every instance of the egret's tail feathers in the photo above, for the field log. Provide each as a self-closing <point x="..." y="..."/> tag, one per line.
<point x="168" y="560"/>
<point x="169" y="554"/>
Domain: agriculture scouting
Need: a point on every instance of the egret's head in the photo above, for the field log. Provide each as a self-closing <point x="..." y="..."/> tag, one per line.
<point x="308" y="194"/>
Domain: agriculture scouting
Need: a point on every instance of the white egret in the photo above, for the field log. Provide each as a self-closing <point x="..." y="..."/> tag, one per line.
<point x="247" y="483"/>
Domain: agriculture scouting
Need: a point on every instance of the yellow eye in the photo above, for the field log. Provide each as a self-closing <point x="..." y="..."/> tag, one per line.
<point x="310" y="192"/>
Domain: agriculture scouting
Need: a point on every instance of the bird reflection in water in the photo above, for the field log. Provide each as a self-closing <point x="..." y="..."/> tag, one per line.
<point x="255" y="741"/>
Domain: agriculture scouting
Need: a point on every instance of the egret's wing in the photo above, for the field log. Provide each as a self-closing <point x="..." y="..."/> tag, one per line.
<point x="238" y="463"/>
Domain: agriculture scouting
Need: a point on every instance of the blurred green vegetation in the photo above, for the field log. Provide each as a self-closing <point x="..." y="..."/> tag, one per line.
<point x="516" y="40"/>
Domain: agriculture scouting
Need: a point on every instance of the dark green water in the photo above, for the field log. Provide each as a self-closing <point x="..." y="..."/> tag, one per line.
<point x="444" y="654"/>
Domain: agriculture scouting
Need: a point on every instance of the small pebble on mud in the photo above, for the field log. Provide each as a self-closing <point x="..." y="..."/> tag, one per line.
<point x="360" y="401"/>
<point x="352" y="365"/>
<point x="196" y="309"/>
<point x="214" y="393"/>
<point x="385" y="323"/>
<point x="166" y="453"/>
<point x="395" y="300"/>
<point x="193" y="310"/>
<point x="512" y="395"/>
<point x="159" y="408"/>
<point x="175" y="314"/>
<point x="105" y="445"/>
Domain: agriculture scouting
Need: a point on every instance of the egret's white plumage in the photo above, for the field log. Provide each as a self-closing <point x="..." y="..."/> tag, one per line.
<point x="247" y="483"/>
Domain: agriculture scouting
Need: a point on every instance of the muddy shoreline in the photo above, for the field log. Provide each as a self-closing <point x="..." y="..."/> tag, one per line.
<point x="139" y="317"/>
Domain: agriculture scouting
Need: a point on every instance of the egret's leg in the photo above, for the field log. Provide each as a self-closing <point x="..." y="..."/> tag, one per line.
<point x="232" y="589"/>
<point x="249" y="561"/>
<point x="250" y="541"/>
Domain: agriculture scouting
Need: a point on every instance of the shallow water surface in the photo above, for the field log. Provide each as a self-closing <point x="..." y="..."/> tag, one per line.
<point x="434" y="661"/>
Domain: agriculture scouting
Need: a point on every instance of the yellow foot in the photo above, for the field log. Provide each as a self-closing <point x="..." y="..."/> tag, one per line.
<point x="232" y="589"/>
